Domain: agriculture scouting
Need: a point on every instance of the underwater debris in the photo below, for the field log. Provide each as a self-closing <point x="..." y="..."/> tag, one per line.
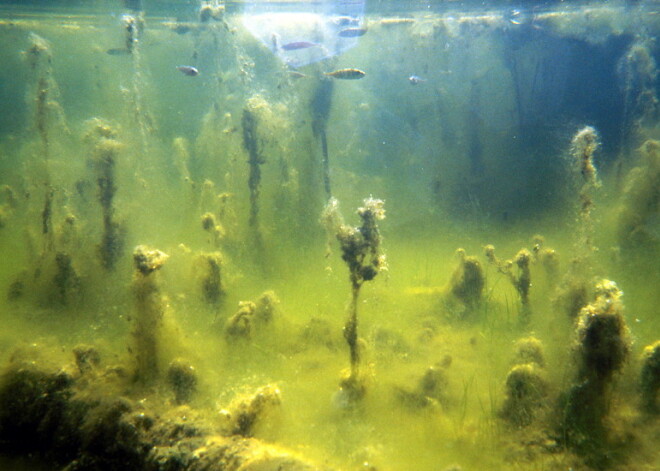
<point x="640" y="203"/>
<point x="150" y="308"/>
<point x="467" y="282"/>
<point x="522" y="282"/>
<point x="246" y="411"/>
<point x="602" y="347"/>
<point x="182" y="378"/>
<point x="360" y="247"/>
<point x="649" y="379"/>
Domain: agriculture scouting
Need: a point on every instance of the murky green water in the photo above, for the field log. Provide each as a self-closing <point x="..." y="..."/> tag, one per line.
<point x="475" y="125"/>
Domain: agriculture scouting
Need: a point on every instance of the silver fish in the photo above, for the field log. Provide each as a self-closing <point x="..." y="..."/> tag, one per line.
<point x="415" y="79"/>
<point x="347" y="74"/>
<point x="188" y="70"/>
<point x="294" y="46"/>
<point x="352" y="32"/>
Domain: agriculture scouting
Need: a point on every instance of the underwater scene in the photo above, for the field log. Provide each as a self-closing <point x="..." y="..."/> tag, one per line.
<point x="332" y="235"/>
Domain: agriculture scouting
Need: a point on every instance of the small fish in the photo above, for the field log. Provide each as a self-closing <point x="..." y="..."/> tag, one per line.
<point x="118" y="51"/>
<point x="294" y="74"/>
<point x="352" y="32"/>
<point x="188" y="70"/>
<point x="415" y="79"/>
<point x="294" y="46"/>
<point x="344" y="20"/>
<point x="347" y="74"/>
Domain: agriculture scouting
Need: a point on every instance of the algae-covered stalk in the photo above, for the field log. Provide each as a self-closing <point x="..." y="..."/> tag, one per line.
<point x="255" y="160"/>
<point x="583" y="149"/>
<point x="650" y="379"/>
<point x="468" y="281"/>
<point x="522" y="281"/>
<point x="211" y="279"/>
<point x="526" y="386"/>
<point x="40" y="59"/>
<point x="640" y="204"/>
<point x="150" y="308"/>
<point x="321" y="104"/>
<point x="361" y="251"/>
<point x="602" y="347"/>
<point x="638" y="73"/>
<point x="104" y="153"/>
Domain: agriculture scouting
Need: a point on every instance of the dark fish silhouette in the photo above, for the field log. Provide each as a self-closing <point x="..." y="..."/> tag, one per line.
<point x="188" y="70"/>
<point x="352" y="32"/>
<point x="347" y="74"/>
<point x="118" y="51"/>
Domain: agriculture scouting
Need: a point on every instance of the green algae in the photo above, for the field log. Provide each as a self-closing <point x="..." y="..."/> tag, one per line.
<point x="249" y="335"/>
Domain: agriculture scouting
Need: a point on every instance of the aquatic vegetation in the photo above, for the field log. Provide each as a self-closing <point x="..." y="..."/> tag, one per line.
<point x="574" y="289"/>
<point x="113" y="360"/>
<point x="266" y="306"/>
<point x="529" y="350"/>
<point x="149" y="311"/>
<point x="321" y="104"/>
<point x="239" y="325"/>
<point x="526" y="393"/>
<point x="521" y="281"/>
<point x="105" y="148"/>
<point x="213" y="227"/>
<point x="71" y="420"/>
<point x="650" y="379"/>
<point x="640" y="203"/>
<point x="245" y="412"/>
<point x="602" y="347"/>
<point x="360" y="247"/>
<point x="251" y="316"/>
<point x="182" y="378"/>
<point x="583" y="149"/>
<point x="638" y="73"/>
<point x="211" y="277"/>
<point x="467" y="282"/>
<point x="547" y="258"/>
<point x="431" y="390"/>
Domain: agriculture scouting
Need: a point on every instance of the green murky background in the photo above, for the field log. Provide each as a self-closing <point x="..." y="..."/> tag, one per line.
<point x="477" y="153"/>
